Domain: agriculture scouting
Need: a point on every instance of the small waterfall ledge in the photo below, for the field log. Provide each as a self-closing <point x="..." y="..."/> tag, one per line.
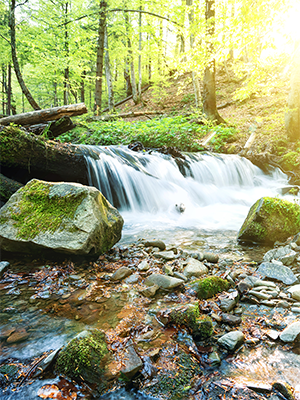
<point x="217" y="190"/>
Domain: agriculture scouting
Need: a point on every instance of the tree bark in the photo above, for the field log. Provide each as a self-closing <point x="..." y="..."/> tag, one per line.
<point x="108" y="73"/>
<point x="49" y="114"/>
<point x="130" y="61"/>
<point x="12" y="26"/>
<point x="100" y="56"/>
<point x="140" y="57"/>
<point x="209" y="79"/>
<point x="25" y="156"/>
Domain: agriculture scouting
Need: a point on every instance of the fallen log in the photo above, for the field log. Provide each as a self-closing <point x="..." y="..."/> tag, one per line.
<point x="131" y="114"/>
<point x="49" y="114"/>
<point x="25" y="156"/>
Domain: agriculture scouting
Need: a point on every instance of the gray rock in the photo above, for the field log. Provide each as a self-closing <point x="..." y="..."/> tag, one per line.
<point x="163" y="281"/>
<point x="3" y="267"/>
<point x="150" y="291"/>
<point x="281" y="273"/>
<point x="121" y="273"/>
<point x="295" y="292"/>
<point x="134" y="278"/>
<point x="132" y="362"/>
<point x="84" y="222"/>
<point x="214" y="359"/>
<point x="229" y="301"/>
<point x="143" y="266"/>
<point x="284" y="254"/>
<point x="45" y="363"/>
<point x="179" y="275"/>
<point x="165" y="255"/>
<point x="211" y="257"/>
<point x="291" y="333"/>
<point x="194" y="268"/>
<point x="231" y="319"/>
<point x="285" y="389"/>
<point x="156" y="243"/>
<point x="232" y="341"/>
<point x="283" y="304"/>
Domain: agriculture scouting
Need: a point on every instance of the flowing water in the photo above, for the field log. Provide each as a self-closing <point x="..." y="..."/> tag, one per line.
<point x="216" y="192"/>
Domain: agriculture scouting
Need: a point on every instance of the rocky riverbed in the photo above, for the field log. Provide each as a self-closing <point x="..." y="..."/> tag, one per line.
<point x="141" y="295"/>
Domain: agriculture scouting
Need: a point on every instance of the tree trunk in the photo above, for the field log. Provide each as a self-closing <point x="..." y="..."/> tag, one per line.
<point x="108" y="74"/>
<point x="140" y="57"/>
<point x="100" y="56"/>
<point x="12" y="26"/>
<point x="195" y="78"/>
<point x="66" y="48"/>
<point x="130" y="61"/>
<point x="292" y="115"/>
<point x="209" y="80"/>
<point x="8" y="104"/>
<point x="49" y="114"/>
<point x="25" y="156"/>
<point x="82" y="87"/>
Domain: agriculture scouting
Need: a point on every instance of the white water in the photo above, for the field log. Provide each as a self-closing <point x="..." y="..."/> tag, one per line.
<point x="217" y="190"/>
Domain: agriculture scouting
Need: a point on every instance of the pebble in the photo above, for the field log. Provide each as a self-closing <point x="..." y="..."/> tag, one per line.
<point x="165" y="255"/>
<point x="259" y="282"/>
<point x="283" y="304"/>
<point x="231" y="319"/>
<point x="121" y="273"/>
<point x="295" y="310"/>
<point x="272" y="334"/>
<point x="143" y="266"/>
<point x="259" y="295"/>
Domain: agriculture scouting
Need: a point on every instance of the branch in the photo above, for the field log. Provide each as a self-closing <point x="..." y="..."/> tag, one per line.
<point x="3" y="37"/>
<point x="122" y="10"/>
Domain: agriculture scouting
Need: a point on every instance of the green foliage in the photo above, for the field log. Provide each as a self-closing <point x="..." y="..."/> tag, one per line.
<point x="224" y="134"/>
<point x="170" y="131"/>
<point x="208" y="287"/>
<point x="291" y="160"/>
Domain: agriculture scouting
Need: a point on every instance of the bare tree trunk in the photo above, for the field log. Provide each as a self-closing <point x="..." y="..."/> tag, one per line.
<point x="130" y="61"/>
<point x="66" y="48"/>
<point x="82" y="87"/>
<point x="8" y="104"/>
<point x="12" y="26"/>
<point x="209" y="81"/>
<point x="195" y="78"/>
<point x="100" y="56"/>
<point x="108" y="74"/>
<point x="140" y="56"/>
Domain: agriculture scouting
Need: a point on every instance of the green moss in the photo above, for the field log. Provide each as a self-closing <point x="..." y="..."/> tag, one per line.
<point x="175" y="383"/>
<point x="38" y="212"/>
<point x="208" y="287"/>
<point x="83" y="358"/>
<point x="200" y="325"/>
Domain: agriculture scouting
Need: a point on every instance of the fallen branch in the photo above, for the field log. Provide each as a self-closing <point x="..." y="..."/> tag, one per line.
<point x="124" y="100"/>
<point x="126" y="115"/>
<point x="49" y="114"/>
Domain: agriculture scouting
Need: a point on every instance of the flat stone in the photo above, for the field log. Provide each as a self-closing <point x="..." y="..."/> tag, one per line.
<point x="211" y="257"/>
<point x="259" y="386"/>
<point x="283" y="304"/>
<point x="232" y="341"/>
<point x="18" y="336"/>
<point x="281" y="273"/>
<point x="259" y="295"/>
<point x="230" y="319"/>
<point x="229" y="301"/>
<point x="179" y="275"/>
<point x="150" y="291"/>
<point x="163" y="281"/>
<point x="143" y="266"/>
<point x="132" y="362"/>
<point x="272" y="334"/>
<point x="134" y="278"/>
<point x="121" y="273"/>
<point x="291" y="333"/>
<point x="295" y="310"/>
<point x="259" y="282"/>
<point x="165" y="255"/>
<point x="284" y="254"/>
<point x="194" y="268"/>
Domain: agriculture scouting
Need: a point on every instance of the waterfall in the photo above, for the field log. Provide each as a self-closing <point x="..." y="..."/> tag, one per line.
<point x="216" y="190"/>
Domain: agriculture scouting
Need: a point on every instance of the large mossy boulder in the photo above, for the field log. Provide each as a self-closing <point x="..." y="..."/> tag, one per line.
<point x="86" y="358"/>
<point x="270" y="220"/>
<point x="210" y="286"/>
<point x="62" y="217"/>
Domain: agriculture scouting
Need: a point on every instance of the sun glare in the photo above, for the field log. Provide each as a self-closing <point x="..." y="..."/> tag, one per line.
<point x="287" y="32"/>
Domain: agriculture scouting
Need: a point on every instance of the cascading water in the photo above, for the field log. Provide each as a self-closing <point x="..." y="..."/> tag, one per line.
<point x="216" y="190"/>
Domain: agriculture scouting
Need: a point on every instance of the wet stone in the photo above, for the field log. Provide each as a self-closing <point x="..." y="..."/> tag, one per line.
<point x="272" y="334"/>
<point x="231" y="319"/>
<point x="194" y="268"/>
<point x="18" y="336"/>
<point x="134" y="278"/>
<point x="283" y="304"/>
<point x="295" y="292"/>
<point x="121" y="273"/>
<point x="283" y="254"/>
<point x="281" y="273"/>
<point x="285" y="389"/>
<point x="214" y="359"/>
<point x="143" y="266"/>
<point x="163" y="281"/>
<point x="232" y="341"/>
<point x="150" y="291"/>
<point x="291" y="333"/>
<point x="165" y="255"/>
<point x="3" y="267"/>
<point x="211" y="257"/>
<point x="229" y="301"/>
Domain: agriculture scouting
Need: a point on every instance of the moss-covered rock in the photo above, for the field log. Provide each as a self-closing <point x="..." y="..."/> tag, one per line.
<point x="210" y="286"/>
<point x="200" y="326"/>
<point x="64" y="217"/>
<point x="270" y="220"/>
<point x="85" y="358"/>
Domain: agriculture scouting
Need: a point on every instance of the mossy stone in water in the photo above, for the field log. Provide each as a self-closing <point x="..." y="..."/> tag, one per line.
<point x="85" y="358"/>
<point x="210" y="286"/>
<point x="270" y="220"/>
<point x="201" y="326"/>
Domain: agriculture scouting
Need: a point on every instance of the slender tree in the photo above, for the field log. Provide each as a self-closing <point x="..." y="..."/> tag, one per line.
<point x="100" y="56"/>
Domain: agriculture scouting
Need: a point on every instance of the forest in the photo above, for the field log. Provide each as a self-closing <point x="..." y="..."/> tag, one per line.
<point x="62" y="52"/>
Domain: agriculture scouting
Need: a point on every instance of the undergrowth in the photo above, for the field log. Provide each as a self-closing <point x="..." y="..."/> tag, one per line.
<point x="177" y="131"/>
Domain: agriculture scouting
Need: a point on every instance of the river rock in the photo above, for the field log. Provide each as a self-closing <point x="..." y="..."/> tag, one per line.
<point x="284" y="254"/>
<point x="211" y="257"/>
<point x="163" y="281"/>
<point x="279" y="272"/>
<point x="285" y="389"/>
<point x="194" y="268"/>
<point x="3" y="267"/>
<point x="64" y="217"/>
<point x="121" y="273"/>
<point x="295" y="292"/>
<point x="229" y="301"/>
<point x="18" y="336"/>
<point x="143" y="266"/>
<point x="150" y="291"/>
<point x="232" y="341"/>
<point x="270" y="220"/>
<point x="156" y="243"/>
<point x="165" y="255"/>
<point x="231" y="319"/>
<point x="131" y="361"/>
<point x="291" y="333"/>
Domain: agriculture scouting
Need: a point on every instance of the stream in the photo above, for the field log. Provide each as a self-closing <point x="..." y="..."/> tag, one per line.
<point x="48" y="300"/>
